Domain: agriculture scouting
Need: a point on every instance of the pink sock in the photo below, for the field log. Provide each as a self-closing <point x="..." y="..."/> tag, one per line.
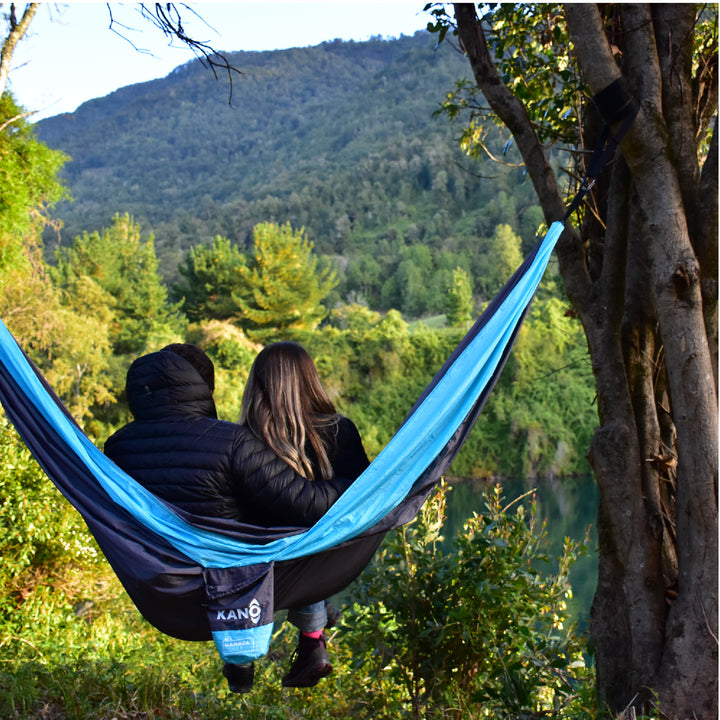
<point x="314" y="635"/>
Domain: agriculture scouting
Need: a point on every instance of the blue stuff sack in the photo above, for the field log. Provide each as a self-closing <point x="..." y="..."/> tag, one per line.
<point x="240" y="611"/>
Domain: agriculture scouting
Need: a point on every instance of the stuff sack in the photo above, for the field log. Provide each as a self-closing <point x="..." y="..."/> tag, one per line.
<point x="240" y="611"/>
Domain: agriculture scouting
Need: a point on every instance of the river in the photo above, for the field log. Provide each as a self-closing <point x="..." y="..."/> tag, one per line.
<point x="568" y="505"/>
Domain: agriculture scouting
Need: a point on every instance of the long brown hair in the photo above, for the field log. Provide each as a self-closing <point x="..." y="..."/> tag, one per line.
<point x="284" y="404"/>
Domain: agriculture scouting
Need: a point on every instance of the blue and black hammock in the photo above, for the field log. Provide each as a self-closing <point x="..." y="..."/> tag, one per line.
<point x="199" y="578"/>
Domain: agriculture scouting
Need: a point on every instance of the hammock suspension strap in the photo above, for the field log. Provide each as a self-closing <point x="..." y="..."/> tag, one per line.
<point x="616" y="104"/>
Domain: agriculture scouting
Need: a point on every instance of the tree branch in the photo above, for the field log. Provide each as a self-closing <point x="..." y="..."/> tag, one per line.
<point x="167" y="18"/>
<point x="705" y="239"/>
<point x="510" y="110"/>
<point x="588" y="36"/>
<point x="513" y="114"/>
<point x="674" y="24"/>
<point x="15" y="118"/>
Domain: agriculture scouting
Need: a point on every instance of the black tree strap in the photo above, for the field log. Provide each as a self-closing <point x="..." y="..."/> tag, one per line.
<point x="616" y="104"/>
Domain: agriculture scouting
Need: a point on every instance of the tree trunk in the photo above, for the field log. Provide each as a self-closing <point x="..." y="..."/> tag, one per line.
<point x="643" y="281"/>
<point x="16" y="29"/>
<point x="665" y="178"/>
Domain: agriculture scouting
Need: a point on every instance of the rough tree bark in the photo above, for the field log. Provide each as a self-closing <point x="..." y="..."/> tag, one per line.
<point x="642" y="277"/>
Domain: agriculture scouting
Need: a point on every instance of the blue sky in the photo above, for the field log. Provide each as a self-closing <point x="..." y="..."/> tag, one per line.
<point x="70" y="55"/>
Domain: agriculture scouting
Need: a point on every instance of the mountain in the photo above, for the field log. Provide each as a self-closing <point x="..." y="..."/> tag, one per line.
<point x="339" y="138"/>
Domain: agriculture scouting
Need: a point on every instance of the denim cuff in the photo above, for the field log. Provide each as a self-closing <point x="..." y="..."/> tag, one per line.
<point x="310" y="618"/>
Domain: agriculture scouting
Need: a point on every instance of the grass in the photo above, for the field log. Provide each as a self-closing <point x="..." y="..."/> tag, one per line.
<point x="76" y="648"/>
<point x="433" y="321"/>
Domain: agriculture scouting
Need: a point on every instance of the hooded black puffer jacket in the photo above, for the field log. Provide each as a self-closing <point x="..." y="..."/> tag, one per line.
<point x="178" y="449"/>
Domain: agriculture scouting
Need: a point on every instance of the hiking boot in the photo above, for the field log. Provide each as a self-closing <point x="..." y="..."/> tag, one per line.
<point x="240" y="677"/>
<point x="310" y="663"/>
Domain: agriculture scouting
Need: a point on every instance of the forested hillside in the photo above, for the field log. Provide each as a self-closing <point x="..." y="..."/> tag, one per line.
<point x="340" y="139"/>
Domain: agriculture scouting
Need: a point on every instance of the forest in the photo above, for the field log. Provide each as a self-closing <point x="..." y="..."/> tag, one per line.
<point x="299" y="146"/>
<point x="364" y="200"/>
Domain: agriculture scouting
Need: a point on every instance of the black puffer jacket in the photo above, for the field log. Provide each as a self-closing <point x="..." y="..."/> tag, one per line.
<point x="178" y="449"/>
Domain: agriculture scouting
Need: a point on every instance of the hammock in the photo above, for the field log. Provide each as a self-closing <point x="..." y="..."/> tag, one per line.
<point x="201" y="578"/>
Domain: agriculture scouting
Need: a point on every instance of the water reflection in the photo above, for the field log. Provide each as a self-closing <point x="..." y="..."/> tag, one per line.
<point x="568" y="505"/>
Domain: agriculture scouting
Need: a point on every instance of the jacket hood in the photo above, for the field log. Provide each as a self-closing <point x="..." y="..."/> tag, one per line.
<point x="163" y="384"/>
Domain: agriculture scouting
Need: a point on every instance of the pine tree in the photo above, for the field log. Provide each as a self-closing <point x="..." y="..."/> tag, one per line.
<point x="504" y="256"/>
<point x="125" y="268"/>
<point x="212" y="277"/>
<point x="29" y="185"/>
<point x="286" y="288"/>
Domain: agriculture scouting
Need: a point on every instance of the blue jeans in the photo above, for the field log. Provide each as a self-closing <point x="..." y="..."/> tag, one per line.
<point x="309" y="618"/>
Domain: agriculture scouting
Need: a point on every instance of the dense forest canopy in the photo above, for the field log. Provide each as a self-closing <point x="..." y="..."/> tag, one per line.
<point x="339" y="139"/>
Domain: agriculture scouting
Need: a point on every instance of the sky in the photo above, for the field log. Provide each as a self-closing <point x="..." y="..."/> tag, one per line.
<point x="70" y="55"/>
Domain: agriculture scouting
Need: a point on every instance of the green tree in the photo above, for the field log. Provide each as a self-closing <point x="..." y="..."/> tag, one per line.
<point x="285" y="286"/>
<point x="549" y="401"/>
<point x="29" y="185"/>
<point x="78" y="360"/>
<point x="124" y="267"/>
<point x="358" y="318"/>
<point x="640" y="269"/>
<point x="412" y="276"/>
<point x="502" y="257"/>
<point x="460" y="303"/>
<point x="70" y="347"/>
<point x="363" y="276"/>
<point x="531" y="223"/>
<point x="212" y="275"/>
<point x="412" y="287"/>
<point x="232" y="354"/>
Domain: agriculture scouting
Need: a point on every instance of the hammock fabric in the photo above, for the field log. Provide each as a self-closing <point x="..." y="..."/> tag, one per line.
<point x="201" y="578"/>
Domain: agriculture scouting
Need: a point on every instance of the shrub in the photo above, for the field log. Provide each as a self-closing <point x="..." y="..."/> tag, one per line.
<point x="475" y="633"/>
<point x="37" y="526"/>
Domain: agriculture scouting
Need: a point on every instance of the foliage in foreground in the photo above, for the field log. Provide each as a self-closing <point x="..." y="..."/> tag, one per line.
<point x="479" y="632"/>
<point x="476" y="633"/>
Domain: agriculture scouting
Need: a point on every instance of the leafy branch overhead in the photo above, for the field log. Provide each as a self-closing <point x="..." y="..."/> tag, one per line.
<point x="532" y="51"/>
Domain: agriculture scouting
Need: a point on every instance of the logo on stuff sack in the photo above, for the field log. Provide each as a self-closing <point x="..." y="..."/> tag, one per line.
<point x="252" y="612"/>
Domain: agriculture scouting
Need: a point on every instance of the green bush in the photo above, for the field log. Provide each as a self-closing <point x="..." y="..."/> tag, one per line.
<point x="37" y="526"/>
<point x="538" y="420"/>
<point x="475" y="633"/>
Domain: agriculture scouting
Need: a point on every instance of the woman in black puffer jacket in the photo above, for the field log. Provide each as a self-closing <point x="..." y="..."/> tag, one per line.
<point x="285" y="405"/>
